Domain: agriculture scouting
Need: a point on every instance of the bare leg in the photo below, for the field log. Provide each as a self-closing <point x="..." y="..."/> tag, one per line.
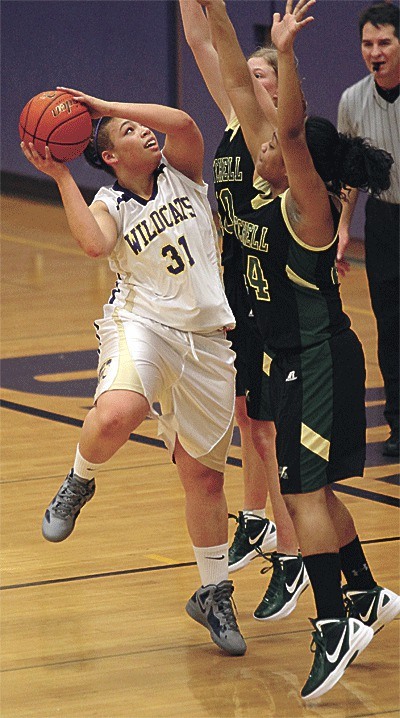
<point x="263" y="433"/>
<point x="319" y="545"/>
<point x="323" y="509"/>
<point x="108" y="425"/>
<point x="315" y="527"/>
<point x="105" y="429"/>
<point x="255" y="480"/>
<point x="207" y="522"/>
<point x="341" y="517"/>
<point x="206" y="508"/>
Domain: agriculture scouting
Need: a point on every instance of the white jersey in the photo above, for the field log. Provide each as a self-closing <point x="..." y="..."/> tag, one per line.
<point x="166" y="257"/>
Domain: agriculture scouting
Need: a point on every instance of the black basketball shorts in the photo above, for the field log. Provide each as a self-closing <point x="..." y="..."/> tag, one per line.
<point x="246" y="343"/>
<point x="316" y="398"/>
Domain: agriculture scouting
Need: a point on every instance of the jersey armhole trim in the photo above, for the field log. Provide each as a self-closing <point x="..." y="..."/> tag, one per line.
<point x="294" y="235"/>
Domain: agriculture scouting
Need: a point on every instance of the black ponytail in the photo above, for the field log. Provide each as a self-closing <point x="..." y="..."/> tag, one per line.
<point x="343" y="161"/>
<point x="363" y="165"/>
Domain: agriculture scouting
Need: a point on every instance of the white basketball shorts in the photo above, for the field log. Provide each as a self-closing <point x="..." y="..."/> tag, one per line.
<point x="191" y="376"/>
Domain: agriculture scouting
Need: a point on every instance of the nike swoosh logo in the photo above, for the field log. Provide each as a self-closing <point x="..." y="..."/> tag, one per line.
<point x="257" y="538"/>
<point x="294" y="585"/>
<point x="332" y="658"/>
<point x="215" y="558"/>
<point x="367" y="615"/>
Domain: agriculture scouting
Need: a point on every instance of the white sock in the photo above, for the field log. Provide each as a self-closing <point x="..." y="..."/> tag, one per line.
<point x="84" y="470"/>
<point x="255" y="512"/>
<point x="212" y="562"/>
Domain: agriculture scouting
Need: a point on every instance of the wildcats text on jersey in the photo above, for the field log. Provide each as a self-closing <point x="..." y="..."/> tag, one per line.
<point x="168" y="215"/>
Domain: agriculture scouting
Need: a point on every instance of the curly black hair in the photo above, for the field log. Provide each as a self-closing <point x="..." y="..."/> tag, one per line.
<point x="343" y="161"/>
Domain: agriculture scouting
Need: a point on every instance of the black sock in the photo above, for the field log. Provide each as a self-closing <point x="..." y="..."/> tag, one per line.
<point x="355" y="567"/>
<point x="324" y="573"/>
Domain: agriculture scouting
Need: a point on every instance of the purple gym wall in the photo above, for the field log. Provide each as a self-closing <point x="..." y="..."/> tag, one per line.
<point x="128" y="50"/>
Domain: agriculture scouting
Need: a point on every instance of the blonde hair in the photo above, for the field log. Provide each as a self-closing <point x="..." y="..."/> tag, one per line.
<point x="269" y="55"/>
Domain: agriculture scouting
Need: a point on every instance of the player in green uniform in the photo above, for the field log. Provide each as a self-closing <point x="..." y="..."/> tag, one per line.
<point x="313" y="373"/>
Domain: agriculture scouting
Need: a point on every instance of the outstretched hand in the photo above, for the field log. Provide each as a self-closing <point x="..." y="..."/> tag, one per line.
<point x="97" y="108"/>
<point x="284" y="31"/>
<point x="342" y="266"/>
<point x="47" y="164"/>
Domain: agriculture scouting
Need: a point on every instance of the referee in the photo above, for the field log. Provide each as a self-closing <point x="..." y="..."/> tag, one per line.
<point x="370" y="109"/>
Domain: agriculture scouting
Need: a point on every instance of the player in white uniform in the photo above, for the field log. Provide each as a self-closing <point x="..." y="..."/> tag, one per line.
<point x="162" y="335"/>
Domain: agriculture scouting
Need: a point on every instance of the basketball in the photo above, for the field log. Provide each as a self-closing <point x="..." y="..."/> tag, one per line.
<point x="55" y="119"/>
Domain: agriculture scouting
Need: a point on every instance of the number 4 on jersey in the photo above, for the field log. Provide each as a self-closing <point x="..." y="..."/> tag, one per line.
<point x="256" y="279"/>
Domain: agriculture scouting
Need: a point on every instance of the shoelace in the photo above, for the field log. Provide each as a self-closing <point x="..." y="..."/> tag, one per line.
<point x="349" y="606"/>
<point x="70" y="497"/>
<point x="267" y="556"/>
<point x="226" y="605"/>
<point x="317" y="642"/>
<point x="275" y="582"/>
<point x="271" y="557"/>
<point x="241" y="537"/>
<point x="233" y="516"/>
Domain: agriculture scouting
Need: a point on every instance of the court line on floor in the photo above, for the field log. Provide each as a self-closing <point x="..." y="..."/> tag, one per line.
<point x="146" y="651"/>
<point x="139" y="438"/>
<point x="132" y="571"/>
<point x="41" y="246"/>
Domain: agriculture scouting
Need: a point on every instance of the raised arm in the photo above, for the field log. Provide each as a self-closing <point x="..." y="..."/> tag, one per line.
<point x="345" y="126"/>
<point x="237" y="79"/>
<point x="198" y="37"/>
<point x="345" y="223"/>
<point x="93" y="228"/>
<point x="307" y="191"/>
<point x="184" y="146"/>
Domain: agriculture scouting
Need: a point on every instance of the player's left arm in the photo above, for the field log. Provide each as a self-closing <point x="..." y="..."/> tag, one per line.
<point x="184" y="147"/>
<point x="308" y="197"/>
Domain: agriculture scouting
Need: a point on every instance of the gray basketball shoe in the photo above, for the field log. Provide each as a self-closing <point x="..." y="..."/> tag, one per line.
<point x="212" y="607"/>
<point x="59" y="518"/>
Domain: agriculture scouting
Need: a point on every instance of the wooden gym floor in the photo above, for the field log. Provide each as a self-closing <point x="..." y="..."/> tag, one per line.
<point x="95" y="626"/>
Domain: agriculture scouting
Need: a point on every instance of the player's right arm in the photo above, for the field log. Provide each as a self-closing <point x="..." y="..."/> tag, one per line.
<point x="238" y="83"/>
<point x="198" y="37"/>
<point x="345" y="126"/>
<point x="345" y="223"/>
<point x="93" y="228"/>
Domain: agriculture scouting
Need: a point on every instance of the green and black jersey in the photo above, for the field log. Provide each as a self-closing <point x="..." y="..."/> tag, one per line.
<point x="235" y="189"/>
<point x="294" y="288"/>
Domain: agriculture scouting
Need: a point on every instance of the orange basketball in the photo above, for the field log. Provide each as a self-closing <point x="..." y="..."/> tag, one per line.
<point x="55" y="119"/>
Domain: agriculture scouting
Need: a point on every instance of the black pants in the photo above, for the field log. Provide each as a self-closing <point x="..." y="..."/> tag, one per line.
<point x="382" y="265"/>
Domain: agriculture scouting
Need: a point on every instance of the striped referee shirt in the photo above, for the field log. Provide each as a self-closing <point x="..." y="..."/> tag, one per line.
<point x="364" y="113"/>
